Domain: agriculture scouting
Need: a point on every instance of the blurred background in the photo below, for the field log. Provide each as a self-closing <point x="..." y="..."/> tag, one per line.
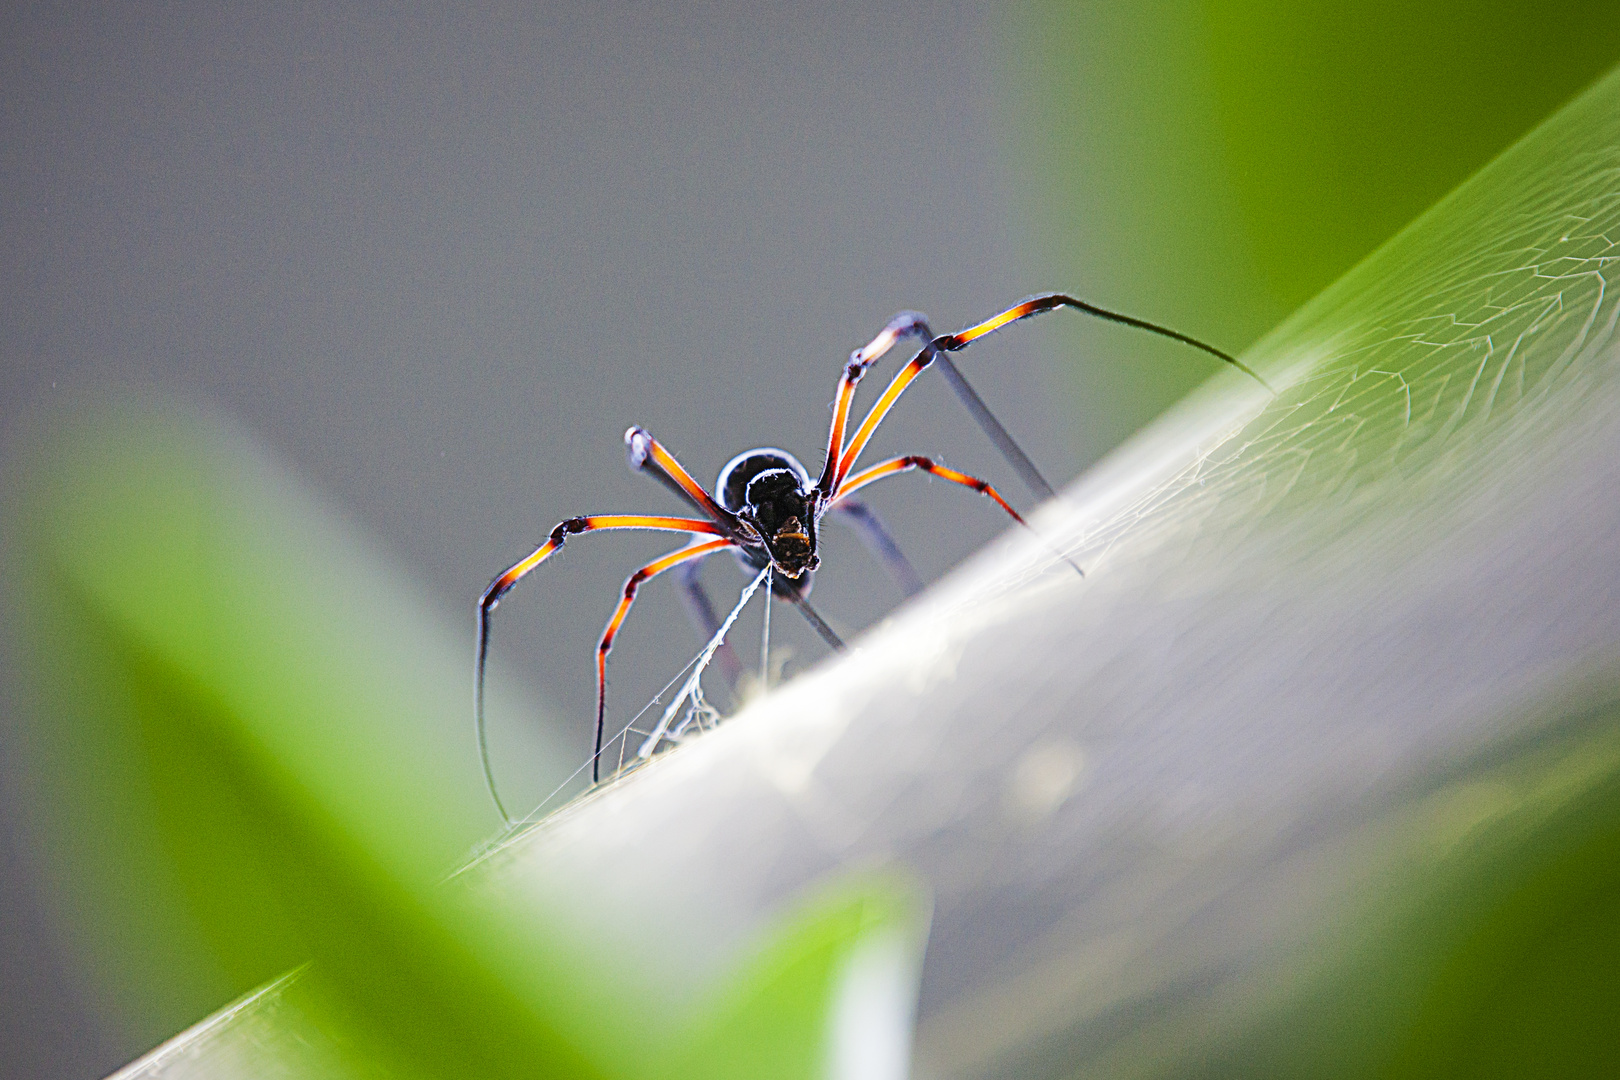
<point x="437" y="263"/>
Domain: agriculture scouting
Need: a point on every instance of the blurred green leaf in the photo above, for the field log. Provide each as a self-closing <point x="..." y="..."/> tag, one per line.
<point x="288" y="728"/>
<point x="1215" y="165"/>
<point x="1341" y="122"/>
<point x="262" y="756"/>
<point x="827" y="992"/>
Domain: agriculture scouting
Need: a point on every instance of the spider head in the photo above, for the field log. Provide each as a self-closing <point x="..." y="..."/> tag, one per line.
<point x="784" y="516"/>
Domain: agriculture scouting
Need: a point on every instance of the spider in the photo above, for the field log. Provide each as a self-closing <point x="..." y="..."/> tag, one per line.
<point x="767" y="510"/>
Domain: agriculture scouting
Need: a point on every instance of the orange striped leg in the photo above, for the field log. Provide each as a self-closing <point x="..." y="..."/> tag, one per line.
<point x="643" y="451"/>
<point x="834" y="476"/>
<point x="917" y="461"/>
<point x="909" y="323"/>
<point x="934" y="349"/>
<point x="631" y="584"/>
<point x="1035" y="305"/>
<point x="498" y="588"/>
<point x="559" y="536"/>
<point x="879" y="410"/>
<point x="904" y="325"/>
<point x="842" y="400"/>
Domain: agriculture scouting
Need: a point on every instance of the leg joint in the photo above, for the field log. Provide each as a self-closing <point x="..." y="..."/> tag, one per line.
<point x="566" y="528"/>
<point x="635" y="445"/>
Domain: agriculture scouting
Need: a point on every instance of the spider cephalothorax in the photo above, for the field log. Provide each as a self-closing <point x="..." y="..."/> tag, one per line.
<point x="765" y="508"/>
<point x="770" y="492"/>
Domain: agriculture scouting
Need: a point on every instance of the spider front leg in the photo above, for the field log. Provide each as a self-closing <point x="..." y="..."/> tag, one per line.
<point x="841" y="457"/>
<point x="491" y="599"/>
<point x="646" y="454"/>
<point x="915" y="324"/>
<point x="904" y="325"/>
<point x="1037" y="305"/>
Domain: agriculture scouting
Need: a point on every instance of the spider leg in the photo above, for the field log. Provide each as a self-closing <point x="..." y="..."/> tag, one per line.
<point x="491" y="598"/>
<point x="893" y="466"/>
<point x="915" y="324"/>
<point x="638" y="452"/>
<point x="870" y="528"/>
<point x="647" y="454"/>
<point x="798" y="600"/>
<point x="875" y="415"/>
<point x="631" y="584"/>
<point x="908" y="323"/>
<point x="1027" y="472"/>
<point x="843" y="398"/>
<point x="1036" y="305"/>
<point x="904" y="325"/>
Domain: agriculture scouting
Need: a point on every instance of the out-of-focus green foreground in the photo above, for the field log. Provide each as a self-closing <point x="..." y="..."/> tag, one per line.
<point x="249" y="731"/>
<point x="258" y="743"/>
<point x="1217" y="164"/>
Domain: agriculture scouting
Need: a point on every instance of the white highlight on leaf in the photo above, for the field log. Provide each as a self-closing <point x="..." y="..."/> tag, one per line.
<point x="1044" y="779"/>
<point x="874" y="1009"/>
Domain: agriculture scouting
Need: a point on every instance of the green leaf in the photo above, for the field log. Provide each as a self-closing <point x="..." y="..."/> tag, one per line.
<point x="263" y="757"/>
<point x="1214" y="165"/>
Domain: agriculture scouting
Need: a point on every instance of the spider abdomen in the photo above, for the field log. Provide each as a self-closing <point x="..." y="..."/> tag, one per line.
<point x="732" y="487"/>
<point x="770" y="491"/>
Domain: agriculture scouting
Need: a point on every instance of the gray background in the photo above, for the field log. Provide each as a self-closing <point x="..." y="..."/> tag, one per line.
<point x="440" y="262"/>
